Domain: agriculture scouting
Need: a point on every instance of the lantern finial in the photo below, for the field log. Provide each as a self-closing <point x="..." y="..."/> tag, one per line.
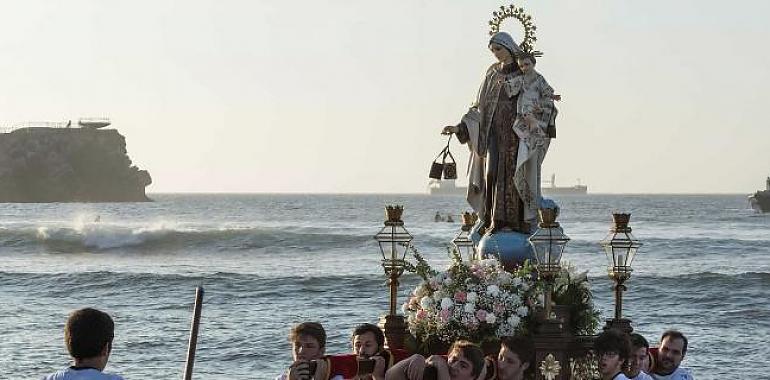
<point x="393" y="213"/>
<point x="621" y="221"/>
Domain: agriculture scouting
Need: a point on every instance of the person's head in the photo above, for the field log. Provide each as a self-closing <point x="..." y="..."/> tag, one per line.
<point x="516" y="357"/>
<point x="673" y="347"/>
<point x="308" y="340"/>
<point x="526" y="63"/>
<point x="88" y="335"/>
<point x="613" y="349"/>
<point x="640" y="359"/>
<point x="503" y="47"/>
<point x="465" y="360"/>
<point x="367" y="340"/>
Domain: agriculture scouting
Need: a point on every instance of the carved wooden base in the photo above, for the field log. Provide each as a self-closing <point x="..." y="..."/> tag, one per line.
<point x="621" y="324"/>
<point x="395" y="330"/>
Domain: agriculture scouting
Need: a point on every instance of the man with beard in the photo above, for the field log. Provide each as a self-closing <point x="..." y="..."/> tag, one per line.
<point x="673" y="347"/>
<point x="368" y="343"/>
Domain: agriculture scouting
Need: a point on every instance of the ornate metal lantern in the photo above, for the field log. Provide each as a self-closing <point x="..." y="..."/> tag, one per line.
<point x="620" y="246"/>
<point x="394" y="241"/>
<point x="548" y="243"/>
<point x="462" y="241"/>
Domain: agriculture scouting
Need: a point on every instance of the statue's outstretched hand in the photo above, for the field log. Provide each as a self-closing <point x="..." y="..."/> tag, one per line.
<point x="450" y="129"/>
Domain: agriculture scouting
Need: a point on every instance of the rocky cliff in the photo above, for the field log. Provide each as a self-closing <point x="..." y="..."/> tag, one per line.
<point x="68" y="165"/>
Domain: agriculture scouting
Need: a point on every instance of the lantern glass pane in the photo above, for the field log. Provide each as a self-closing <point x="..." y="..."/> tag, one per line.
<point x="393" y="241"/>
<point x="548" y="244"/>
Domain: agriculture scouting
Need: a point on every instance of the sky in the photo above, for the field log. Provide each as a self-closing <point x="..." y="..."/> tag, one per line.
<point x="658" y="96"/>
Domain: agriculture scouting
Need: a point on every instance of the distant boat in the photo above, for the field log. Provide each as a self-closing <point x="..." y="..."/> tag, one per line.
<point x="448" y="187"/>
<point x="445" y="187"/>
<point x="578" y="189"/>
<point x="760" y="201"/>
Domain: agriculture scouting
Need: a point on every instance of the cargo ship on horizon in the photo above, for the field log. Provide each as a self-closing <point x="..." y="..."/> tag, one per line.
<point x="449" y="187"/>
<point x="760" y="200"/>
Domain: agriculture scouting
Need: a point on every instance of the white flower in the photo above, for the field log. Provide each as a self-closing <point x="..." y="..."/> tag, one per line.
<point x="426" y="302"/>
<point x="541" y="299"/>
<point x="404" y="308"/>
<point x="448" y="281"/>
<point x="446" y="303"/>
<point x="437" y="296"/>
<point x="522" y="311"/>
<point x="469" y="308"/>
<point x="516" y="282"/>
<point x="514" y="320"/>
<point x="493" y="290"/>
<point x="489" y="262"/>
<point x="472" y="297"/>
<point x="491" y="318"/>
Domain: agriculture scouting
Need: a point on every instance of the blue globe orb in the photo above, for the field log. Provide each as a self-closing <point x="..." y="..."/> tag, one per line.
<point x="512" y="248"/>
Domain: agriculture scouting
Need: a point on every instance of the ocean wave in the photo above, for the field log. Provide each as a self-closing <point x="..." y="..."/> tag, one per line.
<point x="164" y="237"/>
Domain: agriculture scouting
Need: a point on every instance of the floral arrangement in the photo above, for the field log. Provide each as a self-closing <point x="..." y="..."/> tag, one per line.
<point x="475" y="301"/>
<point x="572" y="288"/>
<point x="480" y="301"/>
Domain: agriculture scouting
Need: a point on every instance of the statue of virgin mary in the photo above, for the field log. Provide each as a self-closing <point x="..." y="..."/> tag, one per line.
<point x="504" y="173"/>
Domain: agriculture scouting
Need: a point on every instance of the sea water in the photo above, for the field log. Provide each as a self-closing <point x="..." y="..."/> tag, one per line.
<point x="269" y="261"/>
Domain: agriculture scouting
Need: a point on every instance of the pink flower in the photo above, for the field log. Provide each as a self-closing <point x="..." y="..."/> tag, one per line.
<point x="499" y="308"/>
<point x="481" y="315"/>
<point x="460" y="296"/>
<point x="421" y="314"/>
<point x="444" y="314"/>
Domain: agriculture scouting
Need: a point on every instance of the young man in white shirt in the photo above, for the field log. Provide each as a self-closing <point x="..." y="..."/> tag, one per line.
<point x="88" y="336"/>
<point x="613" y="349"/>
<point x="673" y="347"/>
<point x="639" y="362"/>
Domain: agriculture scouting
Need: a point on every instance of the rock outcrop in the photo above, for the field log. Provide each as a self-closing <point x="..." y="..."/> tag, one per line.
<point x="68" y="165"/>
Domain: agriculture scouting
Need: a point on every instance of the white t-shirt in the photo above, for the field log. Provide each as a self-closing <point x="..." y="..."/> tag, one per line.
<point x="678" y="374"/>
<point x="641" y="376"/>
<point x="72" y="373"/>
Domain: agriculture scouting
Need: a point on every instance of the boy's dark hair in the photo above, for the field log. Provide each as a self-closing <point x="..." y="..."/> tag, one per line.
<point x="613" y="341"/>
<point x="313" y="329"/>
<point x="638" y="341"/>
<point x="523" y="347"/>
<point x="472" y="352"/>
<point x="87" y="332"/>
<point x="364" y="328"/>
<point x="675" y="334"/>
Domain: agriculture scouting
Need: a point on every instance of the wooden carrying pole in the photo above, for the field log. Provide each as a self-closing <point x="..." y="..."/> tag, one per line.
<point x="196" y="321"/>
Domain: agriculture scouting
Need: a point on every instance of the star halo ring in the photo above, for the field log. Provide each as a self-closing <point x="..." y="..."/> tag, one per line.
<point x="512" y="11"/>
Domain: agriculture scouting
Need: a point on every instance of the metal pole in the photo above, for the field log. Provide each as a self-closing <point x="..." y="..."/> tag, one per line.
<point x="393" y="291"/>
<point x="619" y="288"/>
<point x="194" y="333"/>
<point x="547" y="299"/>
